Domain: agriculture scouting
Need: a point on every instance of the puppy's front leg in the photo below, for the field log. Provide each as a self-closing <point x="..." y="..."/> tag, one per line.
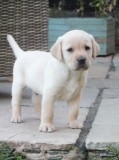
<point x="47" y="115"/>
<point x="73" y="113"/>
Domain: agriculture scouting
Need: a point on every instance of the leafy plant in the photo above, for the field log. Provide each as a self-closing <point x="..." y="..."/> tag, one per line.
<point x="103" y="7"/>
<point x="59" y="10"/>
<point x="111" y="153"/>
<point x="114" y="152"/>
<point x="6" y="153"/>
<point x="80" y="7"/>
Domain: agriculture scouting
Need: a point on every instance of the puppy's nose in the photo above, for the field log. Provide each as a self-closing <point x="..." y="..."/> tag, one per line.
<point x="81" y="60"/>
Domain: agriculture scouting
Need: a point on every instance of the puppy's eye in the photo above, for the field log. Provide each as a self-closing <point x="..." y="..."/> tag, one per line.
<point x="70" y="49"/>
<point x="87" y="48"/>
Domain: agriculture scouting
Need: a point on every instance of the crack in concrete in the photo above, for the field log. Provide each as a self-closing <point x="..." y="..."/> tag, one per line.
<point x="88" y="123"/>
<point x="12" y="137"/>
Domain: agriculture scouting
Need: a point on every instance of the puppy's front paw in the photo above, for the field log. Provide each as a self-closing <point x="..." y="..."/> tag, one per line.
<point x="46" y="127"/>
<point x="75" y="125"/>
<point x="16" y="119"/>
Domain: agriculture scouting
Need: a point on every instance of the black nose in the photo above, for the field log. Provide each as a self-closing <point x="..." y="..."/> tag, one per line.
<point x="81" y="60"/>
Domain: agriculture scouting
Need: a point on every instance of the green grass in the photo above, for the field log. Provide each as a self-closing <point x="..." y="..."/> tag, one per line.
<point x="6" y="153"/>
<point x="110" y="154"/>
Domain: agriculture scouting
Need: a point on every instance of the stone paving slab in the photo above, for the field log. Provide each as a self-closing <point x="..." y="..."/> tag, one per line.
<point x="116" y="60"/>
<point x="98" y="72"/>
<point x="99" y="61"/>
<point x="88" y="97"/>
<point x="103" y="83"/>
<point x="6" y="87"/>
<point x="105" y="128"/>
<point x="28" y="131"/>
<point x="110" y="93"/>
<point x="114" y="74"/>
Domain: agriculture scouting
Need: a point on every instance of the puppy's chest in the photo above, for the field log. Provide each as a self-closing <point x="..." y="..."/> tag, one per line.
<point x="70" y="90"/>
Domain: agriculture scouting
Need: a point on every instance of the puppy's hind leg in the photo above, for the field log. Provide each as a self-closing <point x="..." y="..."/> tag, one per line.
<point x="36" y="100"/>
<point x="17" y="89"/>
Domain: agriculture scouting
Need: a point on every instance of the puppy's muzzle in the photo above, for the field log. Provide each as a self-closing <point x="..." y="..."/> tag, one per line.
<point x="81" y="63"/>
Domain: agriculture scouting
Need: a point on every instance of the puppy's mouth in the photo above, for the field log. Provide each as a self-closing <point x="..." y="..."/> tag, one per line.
<point x="85" y="67"/>
<point x="81" y="64"/>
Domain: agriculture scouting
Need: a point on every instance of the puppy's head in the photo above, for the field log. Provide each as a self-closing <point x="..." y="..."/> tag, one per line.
<point x="76" y="48"/>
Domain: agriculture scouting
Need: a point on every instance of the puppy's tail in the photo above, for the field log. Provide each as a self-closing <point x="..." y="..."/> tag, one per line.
<point x="16" y="49"/>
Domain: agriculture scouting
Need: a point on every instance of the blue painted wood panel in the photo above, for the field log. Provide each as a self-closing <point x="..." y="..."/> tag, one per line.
<point x="103" y="29"/>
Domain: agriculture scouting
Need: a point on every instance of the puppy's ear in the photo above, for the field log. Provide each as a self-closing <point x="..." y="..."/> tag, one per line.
<point x="95" y="48"/>
<point x="56" y="49"/>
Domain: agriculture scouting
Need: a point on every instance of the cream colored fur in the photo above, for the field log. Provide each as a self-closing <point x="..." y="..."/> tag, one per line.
<point x="56" y="75"/>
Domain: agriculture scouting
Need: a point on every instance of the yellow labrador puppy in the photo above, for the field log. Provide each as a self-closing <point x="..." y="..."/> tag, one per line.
<point x="60" y="74"/>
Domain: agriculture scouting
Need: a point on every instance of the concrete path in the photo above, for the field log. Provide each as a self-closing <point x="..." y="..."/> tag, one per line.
<point x="105" y="128"/>
<point x="103" y="79"/>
